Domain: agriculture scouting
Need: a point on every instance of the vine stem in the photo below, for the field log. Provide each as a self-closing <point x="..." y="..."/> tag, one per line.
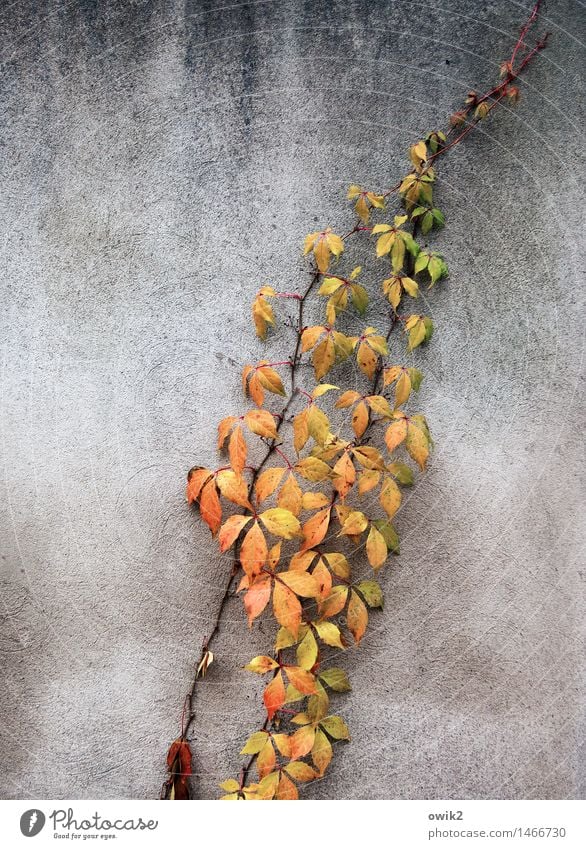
<point x="496" y="94"/>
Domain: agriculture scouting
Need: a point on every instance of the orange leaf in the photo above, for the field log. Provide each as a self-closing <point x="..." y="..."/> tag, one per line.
<point x="267" y="483"/>
<point x="344" y="475"/>
<point x="253" y="551"/>
<point x="287" y="608"/>
<point x="335" y="602"/>
<point x="231" y="529"/>
<point x="360" y="419"/>
<point x="315" y="529"/>
<point x="274" y="695"/>
<point x="357" y="616"/>
<point x="290" y="496"/>
<point x="195" y="480"/>
<point x="257" y="597"/>
<point x="233" y="487"/>
<point x="286" y="789"/>
<point x="302" y="680"/>
<point x="262" y="423"/>
<point x="322" y="575"/>
<point x="302" y="742"/>
<point x="302" y="583"/>
<point x="237" y="450"/>
<point x="396" y="434"/>
<point x="224" y="429"/>
<point x="210" y="507"/>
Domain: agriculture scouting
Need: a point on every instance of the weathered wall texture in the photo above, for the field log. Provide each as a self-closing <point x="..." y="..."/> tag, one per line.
<point x="161" y="161"/>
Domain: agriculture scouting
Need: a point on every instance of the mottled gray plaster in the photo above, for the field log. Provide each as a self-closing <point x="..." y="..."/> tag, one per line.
<point x="160" y="161"/>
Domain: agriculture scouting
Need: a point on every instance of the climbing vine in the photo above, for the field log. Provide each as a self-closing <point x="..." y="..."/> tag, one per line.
<point x="289" y="515"/>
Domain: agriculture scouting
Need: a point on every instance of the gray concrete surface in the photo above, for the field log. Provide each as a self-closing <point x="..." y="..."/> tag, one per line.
<point x="161" y="161"/>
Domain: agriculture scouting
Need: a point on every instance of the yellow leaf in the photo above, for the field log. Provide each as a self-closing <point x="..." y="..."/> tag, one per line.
<point x="321" y="753"/>
<point x="402" y="388"/>
<point x="356" y="523"/>
<point x="314" y="500"/>
<point x="338" y="564"/>
<point x="360" y="419"/>
<point x="271" y="381"/>
<point x="379" y="405"/>
<point x="417" y="445"/>
<point x="357" y="616"/>
<point x="390" y="497"/>
<point x="313" y="469"/>
<point x="329" y="634"/>
<point x="307" y="651"/>
<point x="224" y="428"/>
<point x="324" y="357"/>
<point x="368" y="480"/>
<point x="310" y="336"/>
<point x="280" y="522"/>
<point x="266" y="760"/>
<point x="300" y="430"/>
<point x="376" y="548"/>
<point x="302" y="583"/>
<point x="318" y="424"/>
<point x="261" y="664"/>
<point x="302" y="742"/>
<point x="366" y="359"/>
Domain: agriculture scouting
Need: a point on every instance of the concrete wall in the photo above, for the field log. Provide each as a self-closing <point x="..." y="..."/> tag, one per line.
<point x="161" y="161"/>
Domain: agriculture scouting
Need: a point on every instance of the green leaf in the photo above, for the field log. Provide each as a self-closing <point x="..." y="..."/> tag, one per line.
<point x="335" y="727"/>
<point x="371" y="592"/>
<point x="426" y="223"/>
<point x="402" y="473"/>
<point x="336" y="679"/>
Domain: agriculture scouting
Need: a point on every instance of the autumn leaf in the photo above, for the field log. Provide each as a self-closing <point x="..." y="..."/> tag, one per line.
<point x="420" y="330"/>
<point x="262" y="311"/>
<point x="321" y="752"/>
<point x="335" y="727"/>
<point x="286" y="607"/>
<point x="262" y="423"/>
<point x="179" y="766"/>
<point x="376" y="549"/>
<point x="323" y="244"/>
<point x="364" y="201"/>
<point x="313" y="469"/>
<point x="315" y="529"/>
<point x="300" y="582"/>
<point x="233" y="487"/>
<point x="196" y="478"/>
<point x="290" y="496"/>
<point x="390" y="497"/>
<point x="253" y="551"/>
<point x="261" y="664"/>
<point x="257" y="597"/>
<point x="307" y="650"/>
<point x="356" y="616"/>
<point x="237" y="450"/>
<point x="210" y="507"/>
<point x="302" y="742"/>
<point x="302" y="680"/>
<point x="230" y="530"/>
<point x="343" y="475"/>
<point x="274" y="695"/>
<point x="267" y="482"/>
<point x="280" y="522"/>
